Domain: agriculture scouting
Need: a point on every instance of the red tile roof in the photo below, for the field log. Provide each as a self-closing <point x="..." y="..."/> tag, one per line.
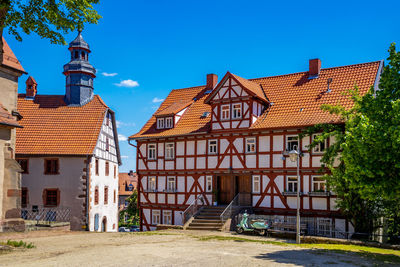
<point x="53" y="128"/>
<point x="174" y="108"/>
<point x="124" y="180"/>
<point x="295" y="100"/>
<point x="6" y="119"/>
<point x="9" y="59"/>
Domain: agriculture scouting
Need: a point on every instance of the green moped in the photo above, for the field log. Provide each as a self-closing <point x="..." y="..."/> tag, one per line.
<point x="258" y="226"/>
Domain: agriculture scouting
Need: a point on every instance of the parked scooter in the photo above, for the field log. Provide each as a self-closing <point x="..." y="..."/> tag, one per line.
<point x="258" y="226"/>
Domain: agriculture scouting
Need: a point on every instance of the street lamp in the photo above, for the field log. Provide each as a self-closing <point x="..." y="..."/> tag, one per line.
<point x="294" y="156"/>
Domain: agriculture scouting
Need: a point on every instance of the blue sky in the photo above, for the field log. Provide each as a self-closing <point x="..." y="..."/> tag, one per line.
<point x="156" y="46"/>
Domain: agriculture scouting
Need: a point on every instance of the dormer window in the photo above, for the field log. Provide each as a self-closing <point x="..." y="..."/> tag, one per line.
<point x="168" y="122"/>
<point x="225" y="112"/>
<point x="160" y="123"/>
<point x="236" y="111"/>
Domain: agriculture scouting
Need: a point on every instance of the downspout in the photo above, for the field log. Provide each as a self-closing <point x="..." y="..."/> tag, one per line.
<point x="87" y="190"/>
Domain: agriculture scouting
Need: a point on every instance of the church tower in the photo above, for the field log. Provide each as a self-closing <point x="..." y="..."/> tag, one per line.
<point x="79" y="73"/>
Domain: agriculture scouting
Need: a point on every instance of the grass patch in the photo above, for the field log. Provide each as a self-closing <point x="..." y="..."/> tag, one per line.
<point x="152" y="233"/>
<point x="239" y="239"/>
<point x="18" y="244"/>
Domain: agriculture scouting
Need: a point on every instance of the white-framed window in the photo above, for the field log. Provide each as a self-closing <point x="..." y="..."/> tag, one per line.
<point x="168" y="122"/>
<point x="212" y="147"/>
<point x="155" y="219"/>
<point x="292" y="142"/>
<point x="320" y="147"/>
<point x="151" y="151"/>
<point x="152" y="183"/>
<point x="160" y="123"/>
<point x="169" y="151"/>
<point x="291" y="183"/>
<point x="251" y="145"/>
<point x="225" y="112"/>
<point x="171" y="185"/>
<point x="167" y="217"/>
<point x="318" y="184"/>
<point x="256" y="183"/>
<point x="208" y="183"/>
<point x="237" y="111"/>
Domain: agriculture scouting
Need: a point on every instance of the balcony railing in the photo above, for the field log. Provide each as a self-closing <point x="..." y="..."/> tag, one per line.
<point x="46" y="215"/>
<point x="193" y="208"/>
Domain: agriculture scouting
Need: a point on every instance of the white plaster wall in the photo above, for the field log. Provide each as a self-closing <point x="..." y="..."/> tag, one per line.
<point x="180" y="148"/>
<point x="251" y="161"/>
<point x="151" y="165"/>
<point x="264" y="142"/>
<point x="143" y="150"/>
<point x="333" y="204"/>
<point x="190" y="147"/>
<point x="224" y="163"/>
<point x="245" y="124"/>
<point x="277" y="161"/>
<point x="216" y="126"/>
<point x="190" y="163"/>
<point x="278" y="203"/>
<point x="305" y="141"/>
<point x="212" y="162"/>
<point x="178" y="218"/>
<point x="169" y="165"/>
<point x="306" y="183"/>
<point x="277" y="142"/>
<point x="161" y="198"/>
<point x="201" y="162"/>
<point x="201" y="147"/>
<point x="161" y="183"/>
<point x="279" y="182"/>
<point x="223" y="143"/>
<point x="305" y="161"/>
<point x="306" y="202"/>
<point x="264" y="161"/>
<point x="319" y="203"/>
<point x="160" y="149"/>
<point x="180" y="163"/>
<point x="160" y="165"/>
<point x="236" y="163"/>
<point x="292" y="202"/>
<point x="316" y="161"/>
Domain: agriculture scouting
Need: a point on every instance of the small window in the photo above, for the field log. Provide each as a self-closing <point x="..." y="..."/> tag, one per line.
<point x="319" y="184"/>
<point x="151" y="151"/>
<point x="205" y="114"/>
<point x="51" y="197"/>
<point x="126" y="203"/>
<point x="152" y="183"/>
<point x="208" y="183"/>
<point x="24" y="197"/>
<point x="251" y="145"/>
<point x="96" y="195"/>
<point x="76" y="54"/>
<point x="51" y="166"/>
<point x="107" y="144"/>
<point x="169" y="151"/>
<point x="171" y="184"/>
<point x="225" y="112"/>
<point x="97" y="166"/>
<point x="167" y="217"/>
<point x="236" y="111"/>
<point x="212" y="147"/>
<point x="292" y="142"/>
<point x="106" y="195"/>
<point x="24" y="163"/>
<point x="156" y="217"/>
<point x="168" y="122"/>
<point x="160" y="123"/>
<point x="256" y="183"/>
<point x="320" y="147"/>
<point x="83" y="55"/>
<point x="115" y="171"/>
<point x="292" y="184"/>
<point x="107" y="169"/>
<point x="115" y="196"/>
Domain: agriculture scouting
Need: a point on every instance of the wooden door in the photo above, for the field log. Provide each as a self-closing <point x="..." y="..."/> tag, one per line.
<point x="244" y="188"/>
<point x="225" y="189"/>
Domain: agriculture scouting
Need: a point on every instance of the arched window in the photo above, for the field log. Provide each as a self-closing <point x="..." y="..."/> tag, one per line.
<point x="76" y="54"/>
<point x="83" y="55"/>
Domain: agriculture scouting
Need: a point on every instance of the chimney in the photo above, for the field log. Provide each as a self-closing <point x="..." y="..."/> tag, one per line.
<point x="314" y="68"/>
<point x="212" y="80"/>
<point x="130" y="173"/>
<point x="31" y="87"/>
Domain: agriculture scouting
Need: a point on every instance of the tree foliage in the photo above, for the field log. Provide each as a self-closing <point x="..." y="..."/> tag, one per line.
<point x="50" y="19"/>
<point x="132" y="210"/>
<point x="364" y="162"/>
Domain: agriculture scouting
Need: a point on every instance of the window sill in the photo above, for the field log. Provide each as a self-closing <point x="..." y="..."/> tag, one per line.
<point x="319" y="194"/>
<point x="51" y="173"/>
<point x="151" y="159"/>
<point x="292" y="194"/>
<point x="251" y="153"/>
<point x="167" y="159"/>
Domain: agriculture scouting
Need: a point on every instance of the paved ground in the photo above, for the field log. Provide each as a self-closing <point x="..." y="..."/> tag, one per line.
<point x="169" y="248"/>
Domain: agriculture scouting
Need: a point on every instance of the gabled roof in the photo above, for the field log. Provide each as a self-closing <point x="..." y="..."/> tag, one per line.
<point x="9" y="59"/>
<point x="174" y="108"/>
<point x="6" y="119"/>
<point x="295" y="100"/>
<point x="51" y="127"/>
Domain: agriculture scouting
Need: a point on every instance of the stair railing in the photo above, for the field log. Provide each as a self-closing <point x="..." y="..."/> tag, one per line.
<point x="227" y="213"/>
<point x="193" y="208"/>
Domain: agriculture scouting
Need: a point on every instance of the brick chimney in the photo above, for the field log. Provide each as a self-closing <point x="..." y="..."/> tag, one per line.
<point x="212" y="80"/>
<point x="31" y="87"/>
<point x="314" y="67"/>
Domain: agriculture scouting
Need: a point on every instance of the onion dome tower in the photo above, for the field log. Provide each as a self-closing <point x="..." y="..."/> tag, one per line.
<point x="79" y="73"/>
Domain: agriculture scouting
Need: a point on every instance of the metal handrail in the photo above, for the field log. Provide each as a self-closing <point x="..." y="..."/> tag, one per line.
<point x="227" y="213"/>
<point x="192" y="209"/>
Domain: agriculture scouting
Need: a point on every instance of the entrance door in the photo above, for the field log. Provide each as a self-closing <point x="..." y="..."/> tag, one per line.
<point x="225" y="189"/>
<point x="243" y="183"/>
<point x="104" y="225"/>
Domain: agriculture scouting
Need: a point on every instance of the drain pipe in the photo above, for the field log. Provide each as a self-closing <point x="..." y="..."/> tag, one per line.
<point x="87" y="190"/>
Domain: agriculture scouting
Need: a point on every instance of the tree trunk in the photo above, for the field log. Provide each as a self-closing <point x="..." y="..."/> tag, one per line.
<point x="5" y="6"/>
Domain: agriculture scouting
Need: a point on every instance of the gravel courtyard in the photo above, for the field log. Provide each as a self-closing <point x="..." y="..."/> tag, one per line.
<point x="166" y="248"/>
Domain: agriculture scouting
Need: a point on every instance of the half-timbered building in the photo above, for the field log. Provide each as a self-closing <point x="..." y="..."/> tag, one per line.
<point x="230" y="137"/>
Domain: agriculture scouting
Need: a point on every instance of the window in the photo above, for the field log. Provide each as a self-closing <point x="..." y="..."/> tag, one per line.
<point x="208" y="183"/>
<point x="152" y="183"/>
<point x="151" y="151"/>
<point x="96" y="195"/>
<point x="169" y="151"/>
<point x="160" y="123"/>
<point x="76" y="54"/>
<point x="107" y="169"/>
<point x="97" y="166"/>
<point x="126" y="203"/>
<point x="156" y="217"/>
<point x="292" y="142"/>
<point x="51" y="166"/>
<point x="24" y="163"/>
<point x="168" y="122"/>
<point x="320" y="147"/>
<point x="212" y="147"/>
<point x="171" y="184"/>
<point x="167" y="217"/>
<point x="115" y="171"/>
<point x="236" y="111"/>
<point x="106" y="195"/>
<point x="107" y="144"/>
<point x="292" y="184"/>
<point x="115" y="196"/>
<point x="24" y="197"/>
<point x="319" y="184"/>
<point x="256" y="183"/>
<point x="251" y="145"/>
<point x="51" y="197"/>
<point x="225" y="112"/>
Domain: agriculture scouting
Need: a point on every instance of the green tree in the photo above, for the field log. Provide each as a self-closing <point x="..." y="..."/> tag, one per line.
<point x="132" y="210"/>
<point x="50" y="19"/>
<point x="367" y="180"/>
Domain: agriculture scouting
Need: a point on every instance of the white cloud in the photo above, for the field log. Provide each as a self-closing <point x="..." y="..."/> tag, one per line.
<point x="122" y="124"/>
<point x="122" y="137"/>
<point x="127" y="83"/>
<point x="106" y="74"/>
<point x="124" y="157"/>
<point x="157" y="100"/>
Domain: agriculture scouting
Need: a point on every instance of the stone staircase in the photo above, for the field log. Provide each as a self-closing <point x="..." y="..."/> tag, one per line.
<point x="208" y="219"/>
